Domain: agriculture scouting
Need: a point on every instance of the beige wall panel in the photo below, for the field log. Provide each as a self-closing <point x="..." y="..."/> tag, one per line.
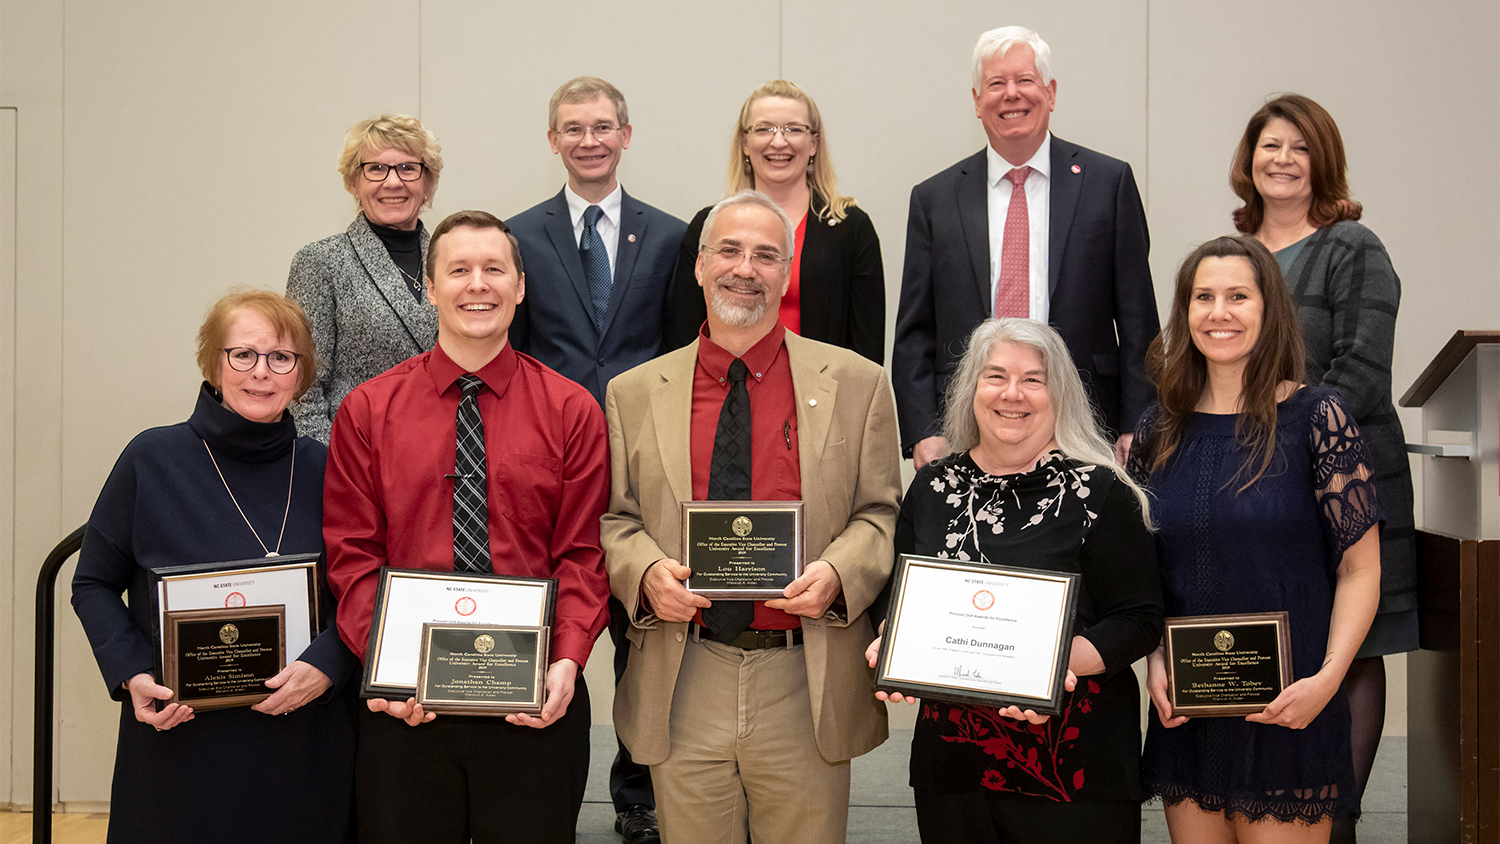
<point x="488" y="71"/>
<point x="200" y="147"/>
<point x="31" y="80"/>
<point x="10" y="585"/>
<point x="487" y="74"/>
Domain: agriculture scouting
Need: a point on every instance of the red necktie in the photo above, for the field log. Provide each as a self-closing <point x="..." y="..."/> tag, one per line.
<point x="1013" y="293"/>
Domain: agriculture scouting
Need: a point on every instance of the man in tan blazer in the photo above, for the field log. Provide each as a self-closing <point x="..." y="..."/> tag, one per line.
<point x="751" y="732"/>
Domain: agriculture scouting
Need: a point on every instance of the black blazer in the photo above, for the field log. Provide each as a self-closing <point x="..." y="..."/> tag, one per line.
<point x="842" y="284"/>
<point x="554" y="323"/>
<point x="1098" y="279"/>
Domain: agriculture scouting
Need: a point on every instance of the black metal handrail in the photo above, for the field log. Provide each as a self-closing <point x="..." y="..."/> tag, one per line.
<point x="46" y="632"/>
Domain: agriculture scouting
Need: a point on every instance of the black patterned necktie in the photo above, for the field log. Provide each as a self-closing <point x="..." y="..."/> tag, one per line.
<point x="595" y="263"/>
<point x="729" y="480"/>
<point x="471" y="530"/>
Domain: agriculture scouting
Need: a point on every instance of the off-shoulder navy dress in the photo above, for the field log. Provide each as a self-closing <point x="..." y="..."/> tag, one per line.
<point x="1273" y="546"/>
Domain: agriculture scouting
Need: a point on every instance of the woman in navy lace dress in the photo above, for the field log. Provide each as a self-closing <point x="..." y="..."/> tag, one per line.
<point x="1032" y="482"/>
<point x="1262" y="493"/>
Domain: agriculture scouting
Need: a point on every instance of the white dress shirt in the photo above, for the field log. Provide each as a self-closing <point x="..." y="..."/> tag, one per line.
<point x="1038" y="195"/>
<point x="608" y="226"/>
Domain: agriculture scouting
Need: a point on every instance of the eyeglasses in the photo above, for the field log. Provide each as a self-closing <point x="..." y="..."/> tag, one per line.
<point x="244" y="359"/>
<point x="406" y="171"/>
<point x="601" y="131"/>
<point x="791" y="131"/>
<point x="760" y="258"/>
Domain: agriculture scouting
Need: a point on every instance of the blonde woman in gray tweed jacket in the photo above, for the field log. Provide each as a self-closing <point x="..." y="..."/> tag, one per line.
<point x="1289" y="171"/>
<point x="363" y="289"/>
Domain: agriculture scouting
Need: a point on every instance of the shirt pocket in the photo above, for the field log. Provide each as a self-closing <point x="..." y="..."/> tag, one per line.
<point x="527" y="488"/>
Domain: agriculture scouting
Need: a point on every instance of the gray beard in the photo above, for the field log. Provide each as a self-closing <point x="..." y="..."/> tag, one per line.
<point x="734" y="314"/>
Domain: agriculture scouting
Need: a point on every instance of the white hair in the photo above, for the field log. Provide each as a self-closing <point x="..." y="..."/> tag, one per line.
<point x="1000" y="41"/>
<point x="1076" y="427"/>
<point x="760" y="200"/>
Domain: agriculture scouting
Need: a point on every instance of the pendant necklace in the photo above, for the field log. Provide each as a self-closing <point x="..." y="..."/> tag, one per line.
<point x="269" y="552"/>
<point x="416" y="281"/>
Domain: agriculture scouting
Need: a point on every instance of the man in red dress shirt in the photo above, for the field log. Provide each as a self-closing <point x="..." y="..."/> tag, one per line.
<point x="749" y="724"/>
<point x="389" y="501"/>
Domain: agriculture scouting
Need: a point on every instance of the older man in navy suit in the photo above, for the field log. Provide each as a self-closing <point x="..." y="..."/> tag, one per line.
<point x="1032" y="226"/>
<point x="598" y="263"/>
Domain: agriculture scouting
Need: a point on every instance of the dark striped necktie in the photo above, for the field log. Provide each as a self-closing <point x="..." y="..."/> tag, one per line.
<point x="471" y="530"/>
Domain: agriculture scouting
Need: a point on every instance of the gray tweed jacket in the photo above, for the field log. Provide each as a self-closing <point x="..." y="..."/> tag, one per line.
<point x="364" y="318"/>
<point x="1347" y="295"/>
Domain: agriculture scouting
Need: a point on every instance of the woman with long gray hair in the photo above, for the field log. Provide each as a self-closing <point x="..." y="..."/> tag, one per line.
<point x="1032" y="482"/>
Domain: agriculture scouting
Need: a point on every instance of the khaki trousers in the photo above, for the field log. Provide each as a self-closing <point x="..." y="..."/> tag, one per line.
<point x="743" y="754"/>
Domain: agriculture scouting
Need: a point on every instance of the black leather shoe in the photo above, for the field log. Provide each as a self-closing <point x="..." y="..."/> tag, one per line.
<point x="637" y="825"/>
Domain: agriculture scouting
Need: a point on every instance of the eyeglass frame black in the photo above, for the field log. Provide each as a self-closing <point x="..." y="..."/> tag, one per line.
<point x="390" y="168"/>
<point x="296" y="359"/>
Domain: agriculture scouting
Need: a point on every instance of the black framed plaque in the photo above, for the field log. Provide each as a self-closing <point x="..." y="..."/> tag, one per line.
<point x="407" y="599"/>
<point x="978" y="633"/>
<point x="222" y="658"/>
<point x="1221" y="665"/>
<point x="290" y="580"/>
<point x="742" y="550"/>
<point x="482" y="669"/>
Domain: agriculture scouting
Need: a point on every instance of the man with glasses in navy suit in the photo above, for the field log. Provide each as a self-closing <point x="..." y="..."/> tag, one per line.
<point x="598" y="265"/>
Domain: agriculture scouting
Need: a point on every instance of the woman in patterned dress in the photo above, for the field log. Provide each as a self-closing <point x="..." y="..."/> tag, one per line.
<point x="1263" y="496"/>
<point x="1032" y="483"/>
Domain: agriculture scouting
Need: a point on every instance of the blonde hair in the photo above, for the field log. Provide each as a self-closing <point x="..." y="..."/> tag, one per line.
<point x="1075" y="425"/>
<point x="821" y="181"/>
<point x="391" y="131"/>
<point x="286" y="318"/>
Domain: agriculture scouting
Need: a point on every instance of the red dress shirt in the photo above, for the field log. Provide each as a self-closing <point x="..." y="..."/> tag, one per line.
<point x="775" y="473"/>
<point x="386" y="502"/>
<point x="790" y="313"/>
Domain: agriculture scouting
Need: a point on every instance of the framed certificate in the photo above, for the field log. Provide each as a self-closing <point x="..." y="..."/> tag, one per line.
<point x="221" y="658"/>
<point x="741" y="550"/>
<point x="406" y="599"/>
<point x="482" y="669"/>
<point x="1227" y="664"/>
<point x="290" y="581"/>
<point x="978" y="634"/>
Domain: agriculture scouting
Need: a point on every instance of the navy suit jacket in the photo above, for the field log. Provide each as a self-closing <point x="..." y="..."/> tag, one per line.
<point x="554" y="323"/>
<point x="1097" y="276"/>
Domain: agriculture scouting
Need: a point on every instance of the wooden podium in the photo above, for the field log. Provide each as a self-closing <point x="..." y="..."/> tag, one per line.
<point x="1453" y="682"/>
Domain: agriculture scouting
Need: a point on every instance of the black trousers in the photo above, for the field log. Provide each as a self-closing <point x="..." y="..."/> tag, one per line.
<point x="461" y="778"/>
<point x="629" y="783"/>
<point x="984" y="817"/>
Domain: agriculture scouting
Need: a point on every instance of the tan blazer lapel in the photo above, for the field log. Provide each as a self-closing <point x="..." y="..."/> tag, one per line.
<point x="815" y="393"/>
<point x="671" y="416"/>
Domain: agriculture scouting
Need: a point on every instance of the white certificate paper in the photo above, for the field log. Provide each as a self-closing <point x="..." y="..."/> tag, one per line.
<point x="991" y="632"/>
<point x="414" y="597"/>
<point x="294" y="585"/>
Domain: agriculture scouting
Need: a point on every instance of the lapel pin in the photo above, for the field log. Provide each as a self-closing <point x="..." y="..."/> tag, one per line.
<point x="812" y="402"/>
<point x="631" y="237"/>
<point x="1076" y="169"/>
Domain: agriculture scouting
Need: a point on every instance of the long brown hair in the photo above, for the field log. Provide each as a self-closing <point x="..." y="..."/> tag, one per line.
<point x="1325" y="159"/>
<point x="1180" y="372"/>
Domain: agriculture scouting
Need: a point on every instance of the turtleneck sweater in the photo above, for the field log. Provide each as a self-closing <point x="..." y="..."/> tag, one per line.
<point x="405" y="248"/>
<point x="165" y="505"/>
